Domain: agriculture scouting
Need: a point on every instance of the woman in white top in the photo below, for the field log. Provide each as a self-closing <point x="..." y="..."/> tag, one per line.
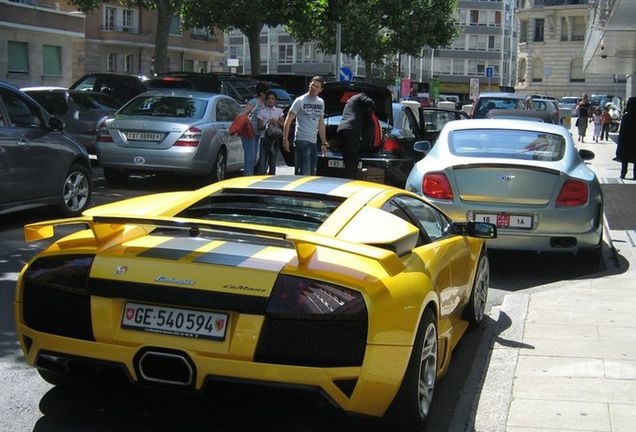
<point x="270" y="118"/>
<point x="250" y="145"/>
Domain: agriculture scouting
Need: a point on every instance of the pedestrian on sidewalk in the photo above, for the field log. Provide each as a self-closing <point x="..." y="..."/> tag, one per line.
<point x="626" y="150"/>
<point x="250" y="144"/>
<point x="584" y="114"/>
<point x="598" y="125"/>
<point x="356" y="131"/>
<point x="606" y="120"/>
<point x="271" y="120"/>
<point x="308" y="110"/>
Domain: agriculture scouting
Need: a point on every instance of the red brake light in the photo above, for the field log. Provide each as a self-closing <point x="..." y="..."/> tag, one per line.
<point x="436" y="185"/>
<point x="573" y="193"/>
<point x="102" y="133"/>
<point x="390" y="144"/>
<point x="190" y="138"/>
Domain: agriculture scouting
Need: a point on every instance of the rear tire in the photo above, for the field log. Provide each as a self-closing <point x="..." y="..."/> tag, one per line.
<point x="476" y="307"/>
<point x="76" y="191"/>
<point x="219" y="168"/>
<point x="115" y="177"/>
<point x="412" y="404"/>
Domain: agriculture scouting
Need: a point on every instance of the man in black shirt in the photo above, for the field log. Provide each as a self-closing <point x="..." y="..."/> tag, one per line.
<point x="355" y="132"/>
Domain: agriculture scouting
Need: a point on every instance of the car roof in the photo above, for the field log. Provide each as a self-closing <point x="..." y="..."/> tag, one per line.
<point x="42" y="88"/>
<point x="507" y="124"/>
<point x="182" y="93"/>
<point x="503" y="94"/>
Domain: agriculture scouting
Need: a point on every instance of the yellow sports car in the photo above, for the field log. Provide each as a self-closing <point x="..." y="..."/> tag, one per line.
<point x="357" y="290"/>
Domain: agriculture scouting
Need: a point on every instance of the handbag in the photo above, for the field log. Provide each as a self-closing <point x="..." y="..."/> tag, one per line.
<point x="273" y="130"/>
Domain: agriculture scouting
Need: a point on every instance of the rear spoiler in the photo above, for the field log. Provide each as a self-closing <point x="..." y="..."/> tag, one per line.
<point x="107" y="229"/>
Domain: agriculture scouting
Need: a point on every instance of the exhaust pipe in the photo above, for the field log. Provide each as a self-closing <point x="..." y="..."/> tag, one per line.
<point x="166" y="368"/>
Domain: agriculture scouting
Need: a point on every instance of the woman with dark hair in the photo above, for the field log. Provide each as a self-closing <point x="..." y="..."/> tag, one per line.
<point x="271" y="119"/>
<point x="626" y="150"/>
<point x="250" y="145"/>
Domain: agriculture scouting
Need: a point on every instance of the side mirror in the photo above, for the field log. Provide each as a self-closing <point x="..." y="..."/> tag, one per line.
<point x="422" y="146"/>
<point x="56" y="124"/>
<point x="586" y="154"/>
<point x="476" y="229"/>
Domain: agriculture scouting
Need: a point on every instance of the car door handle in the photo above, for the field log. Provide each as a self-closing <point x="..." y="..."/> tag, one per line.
<point x="23" y="142"/>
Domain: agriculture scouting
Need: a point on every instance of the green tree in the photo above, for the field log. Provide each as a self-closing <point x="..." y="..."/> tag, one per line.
<point x="374" y="29"/>
<point x="165" y="10"/>
<point x="249" y="16"/>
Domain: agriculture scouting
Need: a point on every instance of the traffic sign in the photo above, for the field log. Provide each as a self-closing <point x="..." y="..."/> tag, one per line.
<point x="489" y="71"/>
<point x="346" y="74"/>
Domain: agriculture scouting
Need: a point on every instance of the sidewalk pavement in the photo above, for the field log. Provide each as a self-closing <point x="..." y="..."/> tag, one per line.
<point x="563" y="358"/>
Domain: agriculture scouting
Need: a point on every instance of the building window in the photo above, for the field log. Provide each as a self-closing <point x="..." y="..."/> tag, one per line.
<point x="109" y="18"/>
<point x="442" y="66"/>
<point x="18" y="60"/>
<point x="539" y="24"/>
<point x="127" y="20"/>
<point x="523" y="31"/>
<point x="52" y="60"/>
<point x="537" y="70"/>
<point x="576" y="70"/>
<point x="564" y="28"/>
<point x="458" y="67"/>
<point x="474" y="17"/>
<point x="578" y="28"/>
<point x="175" y="25"/>
<point x="498" y="18"/>
<point x="522" y="71"/>
<point x="128" y="63"/>
<point x="188" y="65"/>
<point x="286" y="53"/>
<point x="111" y="62"/>
<point x="461" y="17"/>
<point x="491" y="43"/>
<point x="203" y="66"/>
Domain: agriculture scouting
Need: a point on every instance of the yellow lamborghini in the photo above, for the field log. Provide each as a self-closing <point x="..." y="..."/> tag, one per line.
<point x="357" y="290"/>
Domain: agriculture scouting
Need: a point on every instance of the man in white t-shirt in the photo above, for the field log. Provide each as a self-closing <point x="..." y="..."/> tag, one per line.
<point x="270" y="119"/>
<point x="308" y="110"/>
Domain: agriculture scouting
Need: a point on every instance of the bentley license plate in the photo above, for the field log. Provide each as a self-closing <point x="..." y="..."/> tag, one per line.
<point x="174" y="321"/>
<point x="144" y="136"/>
<point x="335" y="163"/>
<point x="505" y="220"/>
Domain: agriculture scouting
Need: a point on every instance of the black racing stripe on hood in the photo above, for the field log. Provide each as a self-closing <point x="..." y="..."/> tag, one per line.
<point x="230" y="254"/>
<point x="174" y="249"/>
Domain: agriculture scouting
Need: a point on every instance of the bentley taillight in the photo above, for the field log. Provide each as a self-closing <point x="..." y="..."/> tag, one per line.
<point x="190" y="138"/>
<point x="573" y="193"/>
<point x="436" y="185"/>
<point x="390" y="144"/>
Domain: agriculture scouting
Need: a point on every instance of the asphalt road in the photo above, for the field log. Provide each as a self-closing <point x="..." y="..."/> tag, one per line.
<point x="27" y="403"/>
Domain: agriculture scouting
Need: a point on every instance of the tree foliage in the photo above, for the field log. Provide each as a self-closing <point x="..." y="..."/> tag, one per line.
<point x="249" y="16"/>
<point x="374" y="29"/>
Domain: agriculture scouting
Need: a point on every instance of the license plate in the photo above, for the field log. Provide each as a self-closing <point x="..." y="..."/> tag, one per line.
<point x="505" y="220"/>
<point x="335" y="163"/>
<point x="175" y="321"/>
<point x="144" y="136"/>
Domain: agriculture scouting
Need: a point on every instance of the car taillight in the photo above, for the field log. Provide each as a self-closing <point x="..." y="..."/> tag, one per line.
<point x="436" y="185"/>
<point x="190" y="138"/>
<point x="390" y="144"/>
<point x="102" y="133"/>
<point x="573" y="193"/>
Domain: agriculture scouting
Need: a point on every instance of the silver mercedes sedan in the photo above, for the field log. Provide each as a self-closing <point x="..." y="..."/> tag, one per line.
<point x="176" y="131"/>
<point x="526" y="177"/>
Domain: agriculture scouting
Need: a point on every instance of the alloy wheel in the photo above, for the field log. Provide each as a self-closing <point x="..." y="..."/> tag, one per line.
<point x="480" y="296"/>
<point x="428" y="370"/>
<point x="76" y="191"/>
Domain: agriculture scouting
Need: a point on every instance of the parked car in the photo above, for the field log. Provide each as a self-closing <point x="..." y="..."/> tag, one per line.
<point x="520" y="114"/>
<point x="499" y="100"/>
<point x="615" y="114"/>
<point x="525" y="176"/>
<point x="569" y="102"/>
<point x="173" y="131"/>
<point x="551" y="107"/>
<point x="81" y="111"/>
<point x="122" y="87"/>
<point x="39" y="163"/>
<point x="277" y="281"/>
<point x="403" y="125"/>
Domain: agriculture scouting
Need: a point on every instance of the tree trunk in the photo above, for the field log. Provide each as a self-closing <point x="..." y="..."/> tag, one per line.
<point x="367" y="70"/>
<point x="164" y="18"/>
<point x="254" y="39"/>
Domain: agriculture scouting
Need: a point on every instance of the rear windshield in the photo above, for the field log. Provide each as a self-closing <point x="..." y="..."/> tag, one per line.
<point x="488" y="103"/>
<point x="264" y="207"/>
<point x="166" y="106"/>
<point x="507" y="144"/>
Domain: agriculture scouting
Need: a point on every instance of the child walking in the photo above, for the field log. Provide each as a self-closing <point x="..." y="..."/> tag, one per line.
<point x="598" y="124"/>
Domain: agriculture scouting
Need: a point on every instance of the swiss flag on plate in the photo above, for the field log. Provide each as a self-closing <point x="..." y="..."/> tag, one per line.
<point x="130" y="313"/>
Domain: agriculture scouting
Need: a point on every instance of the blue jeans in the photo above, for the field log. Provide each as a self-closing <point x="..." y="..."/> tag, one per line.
<point x="306" y="157"/>
<point x="249" y="154"/>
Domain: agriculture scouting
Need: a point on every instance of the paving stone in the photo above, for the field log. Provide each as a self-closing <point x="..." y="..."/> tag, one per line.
<point x="574" y="416"/>
<point x="554" y="388"/>
<point x="560" y="367"/>
<point x="623" y="417"/>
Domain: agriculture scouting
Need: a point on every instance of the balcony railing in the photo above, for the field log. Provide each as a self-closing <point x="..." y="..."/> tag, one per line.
<point x="119" y="28"/>
<point x="559" y="2"/>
